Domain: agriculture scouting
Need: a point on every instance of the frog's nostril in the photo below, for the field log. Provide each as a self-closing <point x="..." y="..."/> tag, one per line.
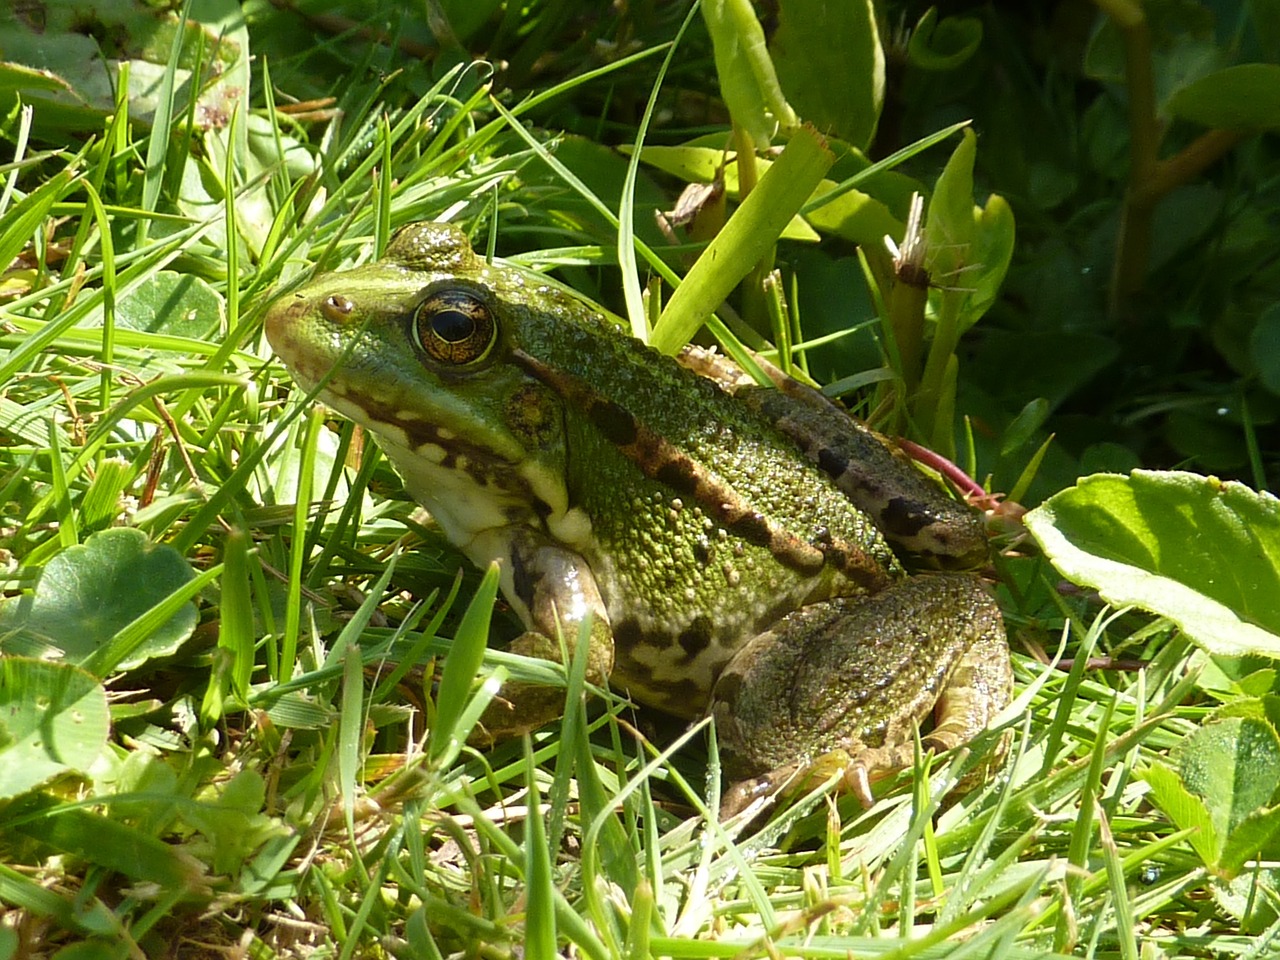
<point x="336" y="308"/>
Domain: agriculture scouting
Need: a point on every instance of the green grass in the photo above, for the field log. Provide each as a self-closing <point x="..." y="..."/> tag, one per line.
<point x="286" y="774"/>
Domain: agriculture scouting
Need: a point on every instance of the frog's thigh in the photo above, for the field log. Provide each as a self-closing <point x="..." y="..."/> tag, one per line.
<point x="854" y="675"/>
<point x="554" y="590"/>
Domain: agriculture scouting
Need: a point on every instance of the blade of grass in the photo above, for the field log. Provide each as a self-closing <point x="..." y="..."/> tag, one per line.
<point x="626" y="211"/>
<point x="110" y="843"/>
<point x="460" y="669"/>
<point x="68" y="529"/>
<point x="87" y="915"/>
<point x="540" y="918"/>
<point x="570" y="178"/>
<point x="158" y="142"/>
<point x="298" y="546"/>
<point x="235" y="625"/>
<point x="747" y="236"/>
<point x="350" y="736"/>
<point x="1120" y="904"/>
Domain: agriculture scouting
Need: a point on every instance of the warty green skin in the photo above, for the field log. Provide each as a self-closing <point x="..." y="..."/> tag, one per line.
<point x="702" y="525"/>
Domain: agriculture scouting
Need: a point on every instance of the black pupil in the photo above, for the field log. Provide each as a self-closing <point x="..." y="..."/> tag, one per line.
<point x="452" y="326"/>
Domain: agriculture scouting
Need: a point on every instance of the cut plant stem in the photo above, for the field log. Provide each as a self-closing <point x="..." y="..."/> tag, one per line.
<point x="908" y="297"/>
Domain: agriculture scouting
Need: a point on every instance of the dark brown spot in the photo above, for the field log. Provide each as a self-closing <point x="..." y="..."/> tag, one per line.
<point x="905" y="517"/>
<point x="678" y="475"/>
<point x="753" y="528"/>
<point x="627" y="633"/>
<point x="695" y="638"/>
<point x="831" y="462"/>
<point x="523" y="580"/>
<point x="617" y="426"/>
<point x="679" y="694"/>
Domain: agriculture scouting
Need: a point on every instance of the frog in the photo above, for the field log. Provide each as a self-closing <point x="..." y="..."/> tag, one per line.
<point x="741" y="551"/>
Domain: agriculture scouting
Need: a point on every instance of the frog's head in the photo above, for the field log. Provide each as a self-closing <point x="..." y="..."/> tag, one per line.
<point x="418" y="347"/>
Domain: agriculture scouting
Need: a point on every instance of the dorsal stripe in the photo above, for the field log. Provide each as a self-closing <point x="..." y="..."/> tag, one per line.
<point x="659" y="459"/>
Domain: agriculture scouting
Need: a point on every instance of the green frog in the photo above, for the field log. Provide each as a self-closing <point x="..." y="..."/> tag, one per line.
<point x="738" y="548"/>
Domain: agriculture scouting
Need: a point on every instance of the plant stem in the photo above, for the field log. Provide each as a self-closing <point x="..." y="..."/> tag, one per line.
<point x="1133" y="246"/>
<point x="1190" y="161"/>
<point x="1150" y="179"/>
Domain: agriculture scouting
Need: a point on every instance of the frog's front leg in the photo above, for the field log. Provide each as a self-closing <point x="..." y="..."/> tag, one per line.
<point x="844" y="682"/>
<point x="553" y="590"/>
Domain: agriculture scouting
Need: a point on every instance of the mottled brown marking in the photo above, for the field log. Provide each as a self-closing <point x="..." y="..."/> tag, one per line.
<point x="904" y="517"/>
<point x="832" y="463"/>
<point x="627" y="633"/>
<point x="655" y="456"/>
<point x="618" y="426"/>
<point x="678" y="477"/>
<point x="696" y="637"/>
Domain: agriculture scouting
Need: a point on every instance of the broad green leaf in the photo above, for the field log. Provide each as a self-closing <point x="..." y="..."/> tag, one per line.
<point x="831" y="65"/>
<point x="1250" y="898"/>
<point x="1264" y="347"/>
<point x="68" y="63"/>
<point x="1202" y="552"/>
<point x="945" y="44"/>
<point x="53" y="719"/>
<point x="749" y="233"/>
<point x="1265" y="17"/>
<point x="179" y="304"/>
<point x="1253" y="835"/>
<point x="230" y="816"/>
<point x="108" y="842"/>
<point x="988" y="261"/>
<point x="747" y="79"/>
<point x="1243" y="97"/>
<point x="854" y="216"/>
<point x="1234" y="766"/>
<point x="89" y="593"/>
<point x="1185" y="809"/>
<point x="949" y="222"/>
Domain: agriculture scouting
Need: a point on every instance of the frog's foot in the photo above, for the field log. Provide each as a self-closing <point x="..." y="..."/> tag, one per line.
<point x="856" y="774"/>
<point x="843" y="685"/>
<point x="520" y="708"/>
<point x="557" y="591"/>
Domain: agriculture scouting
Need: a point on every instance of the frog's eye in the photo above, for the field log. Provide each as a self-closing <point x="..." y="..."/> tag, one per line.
<point x="454" y="326"/>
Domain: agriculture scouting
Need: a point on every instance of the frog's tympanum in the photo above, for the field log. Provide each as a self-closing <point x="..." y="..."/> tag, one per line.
<point x="737" y="547"/>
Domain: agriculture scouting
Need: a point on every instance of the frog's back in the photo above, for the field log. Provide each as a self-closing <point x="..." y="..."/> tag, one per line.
<point x="707" y="523"/>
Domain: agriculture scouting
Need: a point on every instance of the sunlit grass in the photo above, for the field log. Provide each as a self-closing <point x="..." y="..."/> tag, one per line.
<point x="295" y="781"/>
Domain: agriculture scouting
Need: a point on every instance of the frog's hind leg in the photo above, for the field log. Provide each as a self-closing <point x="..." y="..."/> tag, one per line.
<point x="842" y="684"/>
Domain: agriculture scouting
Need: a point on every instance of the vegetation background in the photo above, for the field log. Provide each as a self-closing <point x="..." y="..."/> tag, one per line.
<point x="222" y="730"/>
